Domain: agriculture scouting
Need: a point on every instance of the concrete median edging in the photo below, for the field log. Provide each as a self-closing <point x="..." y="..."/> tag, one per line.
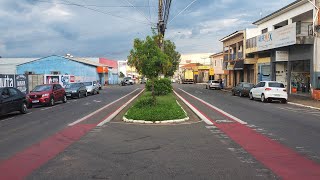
<point x="158" y="122"/>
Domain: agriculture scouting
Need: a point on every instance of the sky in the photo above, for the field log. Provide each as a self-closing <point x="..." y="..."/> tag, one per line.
<point x="107" y="28"/>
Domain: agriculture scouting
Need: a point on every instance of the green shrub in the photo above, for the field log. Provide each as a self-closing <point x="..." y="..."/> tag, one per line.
<point x="161" y="86"/>
<point x="144" y="102"/>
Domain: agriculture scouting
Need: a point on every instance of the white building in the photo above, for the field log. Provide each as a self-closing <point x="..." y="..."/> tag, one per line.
<point x="8" y="65"/>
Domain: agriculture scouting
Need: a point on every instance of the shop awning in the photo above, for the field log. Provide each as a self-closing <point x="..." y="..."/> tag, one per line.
<point x="102" y="69"/>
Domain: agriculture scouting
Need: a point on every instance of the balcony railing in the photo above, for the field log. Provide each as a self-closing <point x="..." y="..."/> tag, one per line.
<point x="233" y="56"/>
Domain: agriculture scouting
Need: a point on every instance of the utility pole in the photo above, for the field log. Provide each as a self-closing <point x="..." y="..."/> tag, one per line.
<point x="161" y="25"/>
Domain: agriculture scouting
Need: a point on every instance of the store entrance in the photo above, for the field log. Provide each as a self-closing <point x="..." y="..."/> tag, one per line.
<point x="300" y="77"/>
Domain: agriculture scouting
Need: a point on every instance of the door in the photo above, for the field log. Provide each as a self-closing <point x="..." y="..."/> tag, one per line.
<point x="61" y="92"/>
<point x="255" y="90"/>
<point x="16" y="99"/>
<point x="260" y="89"/>
<point x="56" y="95"/>
<point x="6" y="101"/>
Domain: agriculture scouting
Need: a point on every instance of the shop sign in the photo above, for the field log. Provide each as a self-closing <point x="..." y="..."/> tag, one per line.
<point x="282" y="56"/>
<point x="196" y="73"/>
<point x="211" y="71"/>
<point x="281" y="37"/>
<point x="203" y="67"/>
<point x="22" y="83"/>
<point x="6" y="80"/>
<point x="230" y="67"/>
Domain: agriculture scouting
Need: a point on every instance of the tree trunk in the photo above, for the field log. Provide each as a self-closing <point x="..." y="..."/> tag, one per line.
<point x="153" y="95"/>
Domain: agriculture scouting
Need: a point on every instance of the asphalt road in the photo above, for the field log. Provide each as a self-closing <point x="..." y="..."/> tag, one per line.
<point x="20" y="131"/>
<point x="193" y="150"/>
<point x="296" y="127"/>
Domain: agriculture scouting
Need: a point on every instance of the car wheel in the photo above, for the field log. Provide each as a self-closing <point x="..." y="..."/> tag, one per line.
<point x="240" y="94"/>
<point x="64" y="100"/>
<point x="206" y="87"/>
<point x="51" y="103"/>
<point x="86" y="94"/>
<point x="98" y="92"/>
<point x="233" y="93"/>
<point x="284" y="101"/>
<point x="263" y="98"/>
<point x="131" y="83"/>
<point x="79" y="95"/>
<point x="24" y="108"/>
<point x="251" y="96"/>
<point x="29" y="106"/>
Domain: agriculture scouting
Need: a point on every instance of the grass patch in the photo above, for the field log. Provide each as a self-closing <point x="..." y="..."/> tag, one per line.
<point x="166" y="108"/>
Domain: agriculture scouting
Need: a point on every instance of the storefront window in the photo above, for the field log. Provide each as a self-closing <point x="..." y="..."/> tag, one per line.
<point x="300" y="77"/>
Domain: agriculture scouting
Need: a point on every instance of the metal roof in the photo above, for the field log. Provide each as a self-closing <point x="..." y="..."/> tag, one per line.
<point x="280" y="11"/>
<point x="80" y="60"/>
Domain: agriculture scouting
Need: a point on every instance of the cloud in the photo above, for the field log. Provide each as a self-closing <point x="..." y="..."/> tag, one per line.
<point x="33" y="28"/>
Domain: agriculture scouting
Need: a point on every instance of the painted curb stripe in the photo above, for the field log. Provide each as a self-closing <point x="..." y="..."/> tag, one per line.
<point x="282" y="160"/>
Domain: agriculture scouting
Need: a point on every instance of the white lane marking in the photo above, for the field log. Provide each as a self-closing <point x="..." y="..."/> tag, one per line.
<point x="109" y="118"/>
<point x="215" y="108"/>
<point x="198" y="113"/>
<point x="87" y="103"/>
<point x="46" y="108"/>
<point x="96" y="101"/>
<point x="93" y="113"/>
<point x="29" y="113"/>
<point x="301" y="105"/>
<point x="7" y="119"/>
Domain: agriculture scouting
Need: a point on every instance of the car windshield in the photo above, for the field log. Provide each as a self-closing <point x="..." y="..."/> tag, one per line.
<point x="74" y="85"/>
<point x="277" y="85"/>
<point x="87" y="83"/>
<point x="247" y="85"/>
<point x="42" y="88"/>
<point x="127" y="78"/>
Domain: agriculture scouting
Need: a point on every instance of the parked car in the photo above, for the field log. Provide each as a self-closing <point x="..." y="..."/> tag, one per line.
<point x="267" y="91"/>
<point x="76" y="90"/>
<point x="213" y="84"/>
<point x="127" y="81"/>
<point x="11" y="100"/>
<point x="242" y="89"/>
<point x="47" y="94"/>
<point x="92" y="87"/>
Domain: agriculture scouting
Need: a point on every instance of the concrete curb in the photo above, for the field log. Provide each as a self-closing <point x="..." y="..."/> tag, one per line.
<point x="157" y="122"/>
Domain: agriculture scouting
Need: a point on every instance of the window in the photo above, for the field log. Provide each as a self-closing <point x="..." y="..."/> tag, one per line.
<point x="42" y="88"/>
<point x="5" y="93"/>
<point x="59" y="86"/>
<point x="264" y="30"/>
<point x="13" y="92"/>
<point x="277" y="85"/>
<point x="262" y="84"/>
<point x="215" y="63"/>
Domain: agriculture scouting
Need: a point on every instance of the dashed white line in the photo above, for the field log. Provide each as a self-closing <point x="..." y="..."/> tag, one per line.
<point x="46" y="108"/>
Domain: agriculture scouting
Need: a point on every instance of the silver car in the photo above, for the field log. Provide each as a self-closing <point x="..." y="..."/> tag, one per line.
<point x="92" y="87"/>
<point x="213" y="84"/>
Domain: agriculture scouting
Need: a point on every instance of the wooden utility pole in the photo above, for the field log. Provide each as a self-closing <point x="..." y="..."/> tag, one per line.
<point x="161" y="26"/>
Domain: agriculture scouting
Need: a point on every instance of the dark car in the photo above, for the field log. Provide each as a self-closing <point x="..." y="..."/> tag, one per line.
<point x="242" y="89"/>
<point x="76" y="90"/>
<point x="47" y="94"/>
<point x="11" y="100"/>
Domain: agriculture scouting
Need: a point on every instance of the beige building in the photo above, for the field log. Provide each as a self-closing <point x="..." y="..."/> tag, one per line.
<point x="217" y="65"/>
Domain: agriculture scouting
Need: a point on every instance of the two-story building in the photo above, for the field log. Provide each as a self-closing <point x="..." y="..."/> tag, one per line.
<point x="238" y="65"/>
<point x="217" y="65"/>
<point x="284" y="48"/>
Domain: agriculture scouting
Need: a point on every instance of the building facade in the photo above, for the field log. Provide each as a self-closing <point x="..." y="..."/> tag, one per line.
<point x="217" y="65"/>
<point x="285" y="47"/>
<point x="81" y="69"/>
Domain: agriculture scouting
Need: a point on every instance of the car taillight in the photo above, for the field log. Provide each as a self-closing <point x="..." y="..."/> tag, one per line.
<point x="268" y="89"/>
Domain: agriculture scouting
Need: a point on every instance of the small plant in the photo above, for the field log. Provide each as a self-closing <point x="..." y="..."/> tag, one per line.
<point x="145" y="102"/>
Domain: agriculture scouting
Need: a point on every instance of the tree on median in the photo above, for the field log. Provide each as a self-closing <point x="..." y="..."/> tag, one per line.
<point x="149" y="60"/>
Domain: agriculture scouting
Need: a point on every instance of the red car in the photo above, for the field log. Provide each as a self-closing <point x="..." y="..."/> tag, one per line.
<point x="47" y="94"/>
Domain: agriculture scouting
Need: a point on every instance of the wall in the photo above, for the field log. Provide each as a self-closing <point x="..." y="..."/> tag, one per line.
<point x="61" y="64"/>
<point x="285" y="16"/>
<point x="218" y="65"/>
<point x="250" y="33"/>
<point x="8" y="65"/>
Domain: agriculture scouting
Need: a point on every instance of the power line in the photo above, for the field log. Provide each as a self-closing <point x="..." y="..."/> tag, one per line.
<point x="104" y="12"/>
<point x="139" y="11"/>
<point x="94" y="5"/>
<point x="182" y="11"/>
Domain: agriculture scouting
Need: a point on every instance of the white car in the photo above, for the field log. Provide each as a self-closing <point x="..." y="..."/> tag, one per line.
<point x="213" y="84"/>
<point x="267" y="91"/>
